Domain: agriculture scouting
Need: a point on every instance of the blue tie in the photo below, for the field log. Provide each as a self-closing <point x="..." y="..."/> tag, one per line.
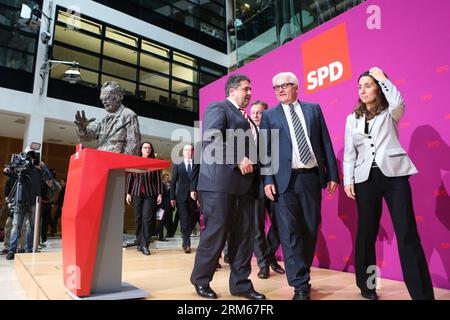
<point x="189" y="170"/>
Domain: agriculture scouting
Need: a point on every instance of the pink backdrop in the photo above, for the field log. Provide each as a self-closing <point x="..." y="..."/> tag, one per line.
<point x="412" y="46"/>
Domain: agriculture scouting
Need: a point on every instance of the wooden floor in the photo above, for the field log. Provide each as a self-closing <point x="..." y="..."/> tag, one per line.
<point x="165" y="275"/>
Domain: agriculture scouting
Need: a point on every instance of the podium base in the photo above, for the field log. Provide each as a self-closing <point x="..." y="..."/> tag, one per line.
<point x="126" y="292"/>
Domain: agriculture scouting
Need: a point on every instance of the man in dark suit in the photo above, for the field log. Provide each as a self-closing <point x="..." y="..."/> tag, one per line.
<point x="227" y="191"/>
<point x="182" y="175"/>
<point x="295" y="176"/>
<point x="265" y="246"/>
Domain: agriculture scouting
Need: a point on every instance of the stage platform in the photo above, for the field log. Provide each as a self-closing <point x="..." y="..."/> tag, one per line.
<point x="165" y="276"/>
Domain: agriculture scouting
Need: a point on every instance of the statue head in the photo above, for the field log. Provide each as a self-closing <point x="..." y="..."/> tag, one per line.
<point x="111" y="95"/>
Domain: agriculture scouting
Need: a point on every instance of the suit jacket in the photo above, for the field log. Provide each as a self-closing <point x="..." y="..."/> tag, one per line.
<point x="381" y="143"/>
<point x="181" y="183"/>
<point x="275" y="118"/>
<point x="218" y="169"/>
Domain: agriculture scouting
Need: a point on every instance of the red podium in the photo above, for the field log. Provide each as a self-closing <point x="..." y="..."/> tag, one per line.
<point x="92" y="223"/>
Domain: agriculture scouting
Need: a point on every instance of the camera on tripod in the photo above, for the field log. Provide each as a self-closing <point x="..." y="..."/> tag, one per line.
<point x="23" y="161"/>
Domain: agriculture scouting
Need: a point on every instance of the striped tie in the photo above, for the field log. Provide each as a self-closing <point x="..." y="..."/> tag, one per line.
<point x="303" y="148"/>
<point x="254" y="133"/>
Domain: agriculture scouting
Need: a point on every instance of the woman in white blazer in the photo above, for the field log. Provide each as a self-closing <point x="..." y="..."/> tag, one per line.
<point x="376" y="167"/>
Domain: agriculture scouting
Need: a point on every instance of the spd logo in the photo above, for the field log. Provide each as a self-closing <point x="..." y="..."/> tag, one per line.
<point x="326" y="59"/>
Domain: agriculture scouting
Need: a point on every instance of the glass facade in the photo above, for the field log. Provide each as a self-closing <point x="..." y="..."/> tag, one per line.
<point x="263" y="25"/>
<point x="148" y="71"/>
<point x="183" y="17"/>
<point x="18" y="46"/>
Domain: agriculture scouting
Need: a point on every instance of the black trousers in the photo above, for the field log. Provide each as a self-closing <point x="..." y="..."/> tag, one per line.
<point x="397" y="193"/>
<point x="46" y="219"/>
<point x="265" y="246"/>
<point x="174" y="224"/>
<point x="145" y="218"/>
<point x="187" y="210"/>
<point x="165" y="223"/>
<point x="298" y="212"/>
<point x="225" y="216"/>
<point x="56" y="217"/>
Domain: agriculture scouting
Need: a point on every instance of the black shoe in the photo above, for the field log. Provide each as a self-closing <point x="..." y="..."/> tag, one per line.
<point x="277" y="268"/>
<point x="218" y="266"/>
<point x="187" y="249"/>
<point x="251" y="294"/>
<point x="10" y="256"/>
<point x="371" y="295"/>
<point x="301" y="295"/>
<point x="205" y="292"/>
<point x="139" y="248"/>
<point x="226" y="259"/>
<point x="145" y="251"/>
<point x="163" y="239"/>
<point x="21" y="250"/>
<point x="264" y="273"/>
<point x="3" y="252"/>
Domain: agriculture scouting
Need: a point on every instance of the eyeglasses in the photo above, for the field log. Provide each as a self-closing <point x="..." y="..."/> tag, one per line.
<point x="283" y="86"/>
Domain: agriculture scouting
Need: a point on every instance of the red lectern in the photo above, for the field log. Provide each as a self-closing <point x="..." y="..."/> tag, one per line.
<point x="92" y="223"/>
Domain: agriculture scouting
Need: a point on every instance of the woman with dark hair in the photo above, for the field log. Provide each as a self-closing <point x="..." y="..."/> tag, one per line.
<point x="144" y="191"/>
<point x="376" y="167"/>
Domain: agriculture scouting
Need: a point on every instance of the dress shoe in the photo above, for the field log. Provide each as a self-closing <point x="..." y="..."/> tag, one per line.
<point x="301" y="295"/>
<point x="205" y="292"/>
<point x="10" y="256"/>
<point x="145" y="251"/>
<point x="163" y="239"/>
<point x="264" y="273"/>
<point x="277" y="268"/>
<point x="371" y="295"/>
<point x="187" y="249"/>
<point x="251" y="294"/>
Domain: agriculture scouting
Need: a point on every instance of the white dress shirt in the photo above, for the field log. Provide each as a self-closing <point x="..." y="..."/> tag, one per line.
<point x="296" y="163"/>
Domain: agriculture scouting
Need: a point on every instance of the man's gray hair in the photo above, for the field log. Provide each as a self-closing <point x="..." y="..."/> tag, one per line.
<point x="234" y="81"/>
<point x="114" y="88"/>
<point x="292" y="77"/>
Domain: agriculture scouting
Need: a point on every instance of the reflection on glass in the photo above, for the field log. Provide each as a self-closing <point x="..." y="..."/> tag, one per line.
<point x="154" y="80"/>
<point x="119" y="70"/>
<point x="206" y="79"/>
<point x="188" y="89"/>
<point x="154" y="48"/>
<point x="154" y="95"/>
<point x="85" y="60"/>
<point x="184" y="59"/>
<point x="184" y="73"/>
<point x="17" y="41"/>
<point x="76" y="22"/>
<point x="182" y="101"/>
<point x="16" y="60"/>
<point x="153" y="63"/>
<point x="121" y="37"/>
<point x="119" y="52"/>
<point x="71" y="36"/>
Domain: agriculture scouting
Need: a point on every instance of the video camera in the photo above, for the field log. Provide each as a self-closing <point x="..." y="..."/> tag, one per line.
<point x="21" y="162"/>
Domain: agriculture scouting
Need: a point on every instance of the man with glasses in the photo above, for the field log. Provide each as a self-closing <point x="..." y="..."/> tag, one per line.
<point x="306" y="165"/>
